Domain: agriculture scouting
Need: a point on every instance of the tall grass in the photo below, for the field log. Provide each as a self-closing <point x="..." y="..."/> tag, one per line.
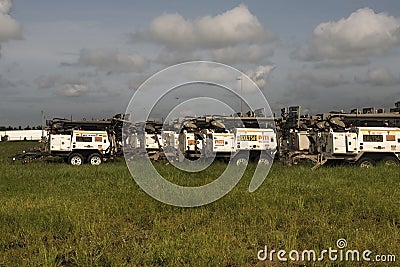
<point x="53" y="214"/>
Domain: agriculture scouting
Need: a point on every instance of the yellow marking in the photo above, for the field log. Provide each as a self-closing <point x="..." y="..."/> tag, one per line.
<point x="255" y="130"/>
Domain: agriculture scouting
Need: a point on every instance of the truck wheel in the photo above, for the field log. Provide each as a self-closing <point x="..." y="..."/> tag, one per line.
<point x="390" y="161"/>
<point x="265" y="160"/>
<point x="75" y="159"/>
<point x="366" y="163"/>
<point x="95" y="159"/>
<point x="240" y="160"/>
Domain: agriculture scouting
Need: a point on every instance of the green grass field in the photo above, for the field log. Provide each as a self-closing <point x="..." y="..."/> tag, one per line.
<point x="53" y="214"/>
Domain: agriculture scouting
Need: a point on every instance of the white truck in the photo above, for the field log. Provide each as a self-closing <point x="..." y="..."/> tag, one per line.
<point x="81" y="146"/>
<point x="364" y="146"/>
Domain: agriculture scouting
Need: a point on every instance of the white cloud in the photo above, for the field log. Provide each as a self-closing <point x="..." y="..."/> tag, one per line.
<point x="260" y="75"/>
<point x="379" y="77"/>
<point x="209" y="72"/>
<point x="234" y="26"/>
<point x="5" y="6"/>
<point x="230" y="28"/>
<point x="350" y="40"/>
<point x="74" y="90"/>
<point x="235" y="36"/>
<point x="249" y="54"/>
<point x="112" y="61"/>
<point x="9" y="27"/>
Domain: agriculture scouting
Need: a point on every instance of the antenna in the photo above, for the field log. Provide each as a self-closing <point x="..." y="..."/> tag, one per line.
<point x="42" y="123"/>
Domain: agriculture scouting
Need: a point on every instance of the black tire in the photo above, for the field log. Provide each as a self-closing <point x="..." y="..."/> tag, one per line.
<point x="366" y="163"/>
<point x="75" y="159"/>
<point x="390" y="161"/>
<point x="95" y="159"/>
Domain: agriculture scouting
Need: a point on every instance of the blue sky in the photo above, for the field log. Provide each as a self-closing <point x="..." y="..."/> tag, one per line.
<point x="86" y="58"/>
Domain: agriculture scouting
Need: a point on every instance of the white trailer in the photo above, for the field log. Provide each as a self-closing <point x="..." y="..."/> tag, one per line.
<point x="364" y="146"/>
<point x="260" y="143"/>
<point x="190" y="144"/>
<point x="240" y="145"/>
<point x="170" y="139"/>
<point x="220" y="143"/>
<point x="153" y="141"/>
<point x="255" y="139"/>
<point x="81" y="146"/>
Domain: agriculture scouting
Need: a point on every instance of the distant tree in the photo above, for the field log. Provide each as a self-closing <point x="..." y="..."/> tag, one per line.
<point x="9" y="128"/>
<point x="27" y="128"/>
<point x="3" y="128"/>
<point x="19" y="127"/>
<point x="39" y="127"/>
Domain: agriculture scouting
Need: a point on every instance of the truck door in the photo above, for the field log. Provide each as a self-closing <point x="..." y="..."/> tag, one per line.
<point x="60" y="142"/>
<point x="339" y="143"/>
<point x="351" y="141"/>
